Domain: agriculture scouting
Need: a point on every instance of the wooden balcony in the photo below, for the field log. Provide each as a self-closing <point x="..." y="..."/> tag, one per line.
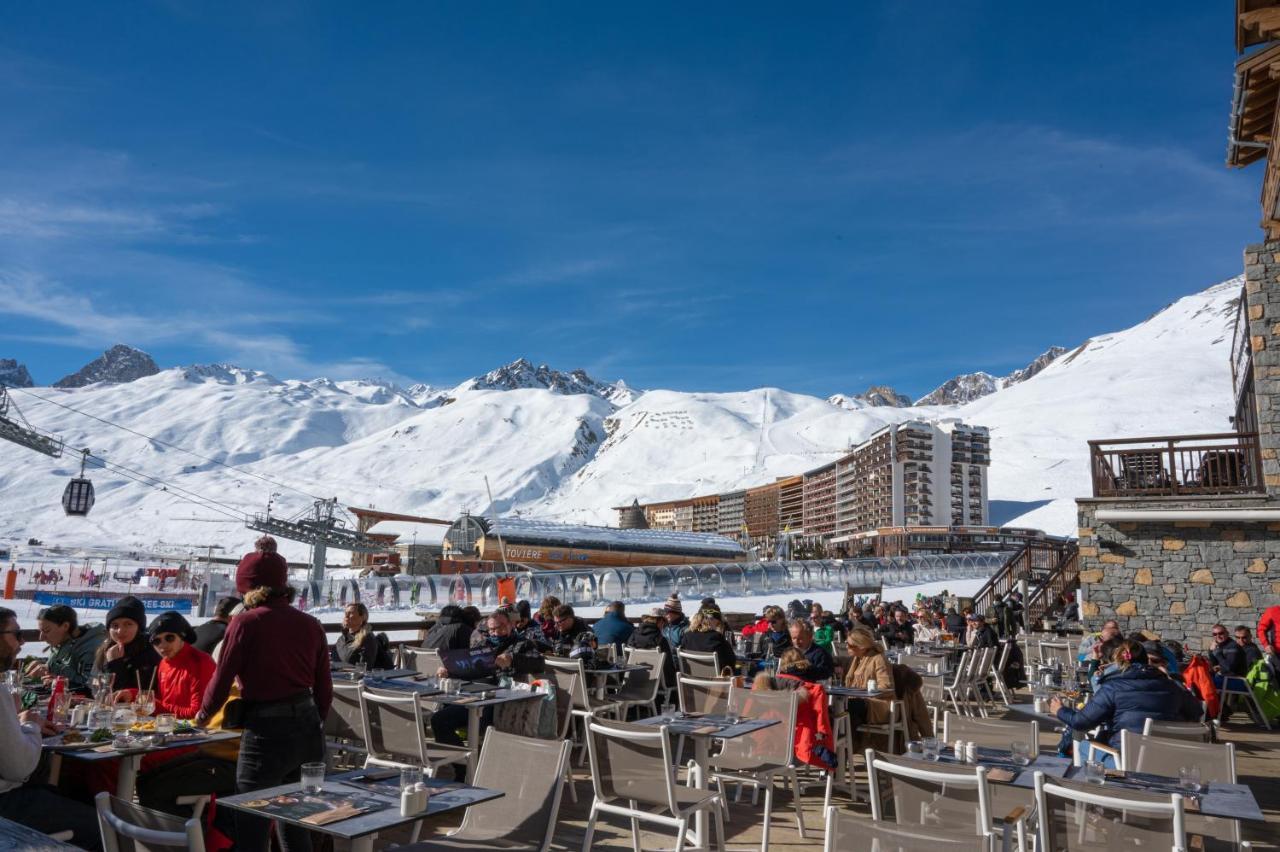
<point x="1182" y="465"/>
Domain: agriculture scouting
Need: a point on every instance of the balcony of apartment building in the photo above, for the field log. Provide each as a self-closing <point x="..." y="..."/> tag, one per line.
<point x="1207" y="465"/>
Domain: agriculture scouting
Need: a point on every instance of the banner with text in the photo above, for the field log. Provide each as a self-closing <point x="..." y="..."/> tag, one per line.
<point x="151" y="604"/>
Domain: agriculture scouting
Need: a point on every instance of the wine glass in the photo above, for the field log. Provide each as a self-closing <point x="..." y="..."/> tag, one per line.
<point x="144" y="703"/>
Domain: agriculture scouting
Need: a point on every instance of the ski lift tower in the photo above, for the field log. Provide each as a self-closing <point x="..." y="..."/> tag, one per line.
<point x="321" y="531"/>
<point x="14" y="427"/>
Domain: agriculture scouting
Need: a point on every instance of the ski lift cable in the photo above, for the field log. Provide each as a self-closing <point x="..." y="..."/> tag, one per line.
<point x="177" y="491"/>
<point x="144" y="481"/>
<point x="163" y="485"/>
<point x="232" y="468"/>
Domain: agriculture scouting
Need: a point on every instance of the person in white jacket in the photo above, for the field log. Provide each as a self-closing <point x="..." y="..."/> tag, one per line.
<point x="32" y="805"/>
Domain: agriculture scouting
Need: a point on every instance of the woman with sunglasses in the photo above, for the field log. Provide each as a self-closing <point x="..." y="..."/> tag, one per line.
<point x="185" y="670"/>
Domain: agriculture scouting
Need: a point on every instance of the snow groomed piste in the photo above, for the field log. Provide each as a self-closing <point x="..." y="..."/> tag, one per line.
<point x="639" y="585"/>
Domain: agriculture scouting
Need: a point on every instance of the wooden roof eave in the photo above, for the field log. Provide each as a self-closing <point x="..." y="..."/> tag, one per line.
<point x="1253" y="106"/>
<point x="1257" y="22"/>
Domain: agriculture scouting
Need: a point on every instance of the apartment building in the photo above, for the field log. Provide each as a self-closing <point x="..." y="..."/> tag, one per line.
<point x="911" y="474"/>
<point x="732" y="513"/>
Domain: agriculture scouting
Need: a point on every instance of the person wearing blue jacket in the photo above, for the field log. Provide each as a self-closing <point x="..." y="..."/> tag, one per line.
<point x="1129" y="693"/>
<point x="613" y="629"/>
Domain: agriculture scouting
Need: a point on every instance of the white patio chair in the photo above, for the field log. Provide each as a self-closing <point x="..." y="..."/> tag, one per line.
<point x="697" y="664"/>
<point x="1157" y="755"/>
<point x="1074" y="817"/>
<point x="524" y="818"/>
<point x="758" y="760"/>
<point x="422" y="660"/>
<point x="1194" y="731"/>
<point x="641" y="688"/>
<point x="932" y="795"/>
<point x="846" y="831"/>
<point x="633" y="777"/>
<point x="1239" y="687"/>
<point x="126" y="826"/>
<point x="395" y="733"/>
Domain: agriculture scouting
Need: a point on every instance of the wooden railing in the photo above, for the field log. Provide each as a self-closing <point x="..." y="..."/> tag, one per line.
<point x="1034" y="562"/>
<point x="1223" y="463"/>
<point x="1065" y="577"/>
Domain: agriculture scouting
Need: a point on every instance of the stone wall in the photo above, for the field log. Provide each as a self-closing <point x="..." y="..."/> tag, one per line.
<point x="1176" y="579"/>
<point x="1262" y="306"/>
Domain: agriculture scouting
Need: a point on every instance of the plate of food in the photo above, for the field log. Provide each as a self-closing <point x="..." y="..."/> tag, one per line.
<point x="71" y="740"/>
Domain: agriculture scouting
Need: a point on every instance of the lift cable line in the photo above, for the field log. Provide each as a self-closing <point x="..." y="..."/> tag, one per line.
<point x="322" y="530"/>
<point x="160" y="441"/>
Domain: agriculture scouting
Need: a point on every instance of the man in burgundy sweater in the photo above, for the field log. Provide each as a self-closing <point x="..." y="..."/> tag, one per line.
<point x="281" y="656"/>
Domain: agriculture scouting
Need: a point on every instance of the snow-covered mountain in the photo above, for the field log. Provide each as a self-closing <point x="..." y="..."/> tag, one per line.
<point x="14" y="375"/>
<point x="118" y="364"/>
<point x="876" y="396"/>
<point x="970" y="386"/>
<point x="565" y="446"/>
<point x="520" y="374"/>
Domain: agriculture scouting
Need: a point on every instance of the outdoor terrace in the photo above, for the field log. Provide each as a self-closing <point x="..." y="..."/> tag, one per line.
<point x="1220" y="464"/>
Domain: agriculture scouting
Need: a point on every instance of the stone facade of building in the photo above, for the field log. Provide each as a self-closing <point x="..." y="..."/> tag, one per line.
<point x="1178" y="578"/>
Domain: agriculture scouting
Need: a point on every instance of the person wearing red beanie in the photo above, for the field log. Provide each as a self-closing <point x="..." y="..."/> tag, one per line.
<point x="281" y="656"/>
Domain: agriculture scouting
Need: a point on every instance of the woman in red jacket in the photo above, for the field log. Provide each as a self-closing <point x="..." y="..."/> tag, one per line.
<point x="185" y="670"/>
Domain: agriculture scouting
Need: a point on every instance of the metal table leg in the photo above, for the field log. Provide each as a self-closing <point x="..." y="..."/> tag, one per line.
<point x="127" y="779"/>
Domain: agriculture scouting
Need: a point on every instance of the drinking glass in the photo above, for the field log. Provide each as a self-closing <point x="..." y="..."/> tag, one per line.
<point x="915" y="749"/>
<point x="731" y="716"/>
<point x="1021" y="753"/>
<point x="1189" y="778"/>
<point x="1094" y="772"/>
<point x="13" y="680"/>
<point x="62" y="709"/>
<point x="312" y="777"/>
<point x="99" y="717"/>
<point x="144" y="703"/>
<point x="122" y="719"/>
<point x="409" y="775"/>
<point x="932" y="748"/>
<point x="165" y="723"/>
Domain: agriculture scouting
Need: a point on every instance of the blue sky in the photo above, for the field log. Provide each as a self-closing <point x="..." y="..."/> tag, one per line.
<point x="692" y="196"/>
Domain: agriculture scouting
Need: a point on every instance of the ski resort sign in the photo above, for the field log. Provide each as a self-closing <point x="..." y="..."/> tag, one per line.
<point x="151" y="604"/>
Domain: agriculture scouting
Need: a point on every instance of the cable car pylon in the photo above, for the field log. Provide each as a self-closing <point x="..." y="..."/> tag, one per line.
<point x="14" y="427"/>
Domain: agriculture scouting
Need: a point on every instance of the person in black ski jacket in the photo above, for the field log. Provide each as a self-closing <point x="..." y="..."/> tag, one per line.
<point x="451" y="632"/>
<point x="706" y="636"/>
<point x="648" y="637"/>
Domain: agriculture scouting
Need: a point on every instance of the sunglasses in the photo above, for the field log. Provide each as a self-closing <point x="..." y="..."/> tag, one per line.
<point x="1219" y="633"/>
<point x="165" y="638"/>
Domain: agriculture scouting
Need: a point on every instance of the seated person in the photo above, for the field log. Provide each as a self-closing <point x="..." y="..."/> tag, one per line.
<point x="868" y="663"/>
<point x="32" y="805"/>
<point x="513" y="655"/>
<point x="776" y="637"/>
<point x="1130" y="692"/>
<point x="1252" y="653"/>
<point x="814" y="736"/>
<point x="71" y="647"/>
<point x="126" y="654"/>
<point x="569" y="630"/>
<point x="451" y="630"/>
<point x="614" y="629"/>
<point x="648" y="637"/>
<point x="527" y="627"/>
<point x="185" y="672"/>
<point x="981" y="634"/>
<point x="209" y="634"/>
<point x="899" y="633"/>
<point x="358" y="644"/>
<point x="926" y="627"/>
<point x="821" y="664"/>
<point x="706" y="636"/>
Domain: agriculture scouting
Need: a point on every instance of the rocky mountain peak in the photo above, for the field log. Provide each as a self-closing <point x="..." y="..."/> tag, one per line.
<point x="14" y="375"/>
<point x="876" y="396"/>
<point x="971" y="386"/>
<point x="522" y="374"/>
<point x="117" y="365"/>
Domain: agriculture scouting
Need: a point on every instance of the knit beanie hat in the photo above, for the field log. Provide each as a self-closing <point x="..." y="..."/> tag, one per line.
<point x="261" y="569"/>
<point x="673" y="604"/>
<point x="131" y="608"/>
<point x="172" y="622"/>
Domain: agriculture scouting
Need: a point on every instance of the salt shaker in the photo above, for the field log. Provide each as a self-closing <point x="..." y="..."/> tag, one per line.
<point x="970" y="752"/>
<point x="871" y="684"/>
<point x="407" y="802"/>
<point x="421" y="796"/>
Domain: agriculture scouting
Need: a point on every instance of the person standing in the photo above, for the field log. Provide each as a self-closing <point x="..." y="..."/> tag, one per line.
<point x="281" y="658"/>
